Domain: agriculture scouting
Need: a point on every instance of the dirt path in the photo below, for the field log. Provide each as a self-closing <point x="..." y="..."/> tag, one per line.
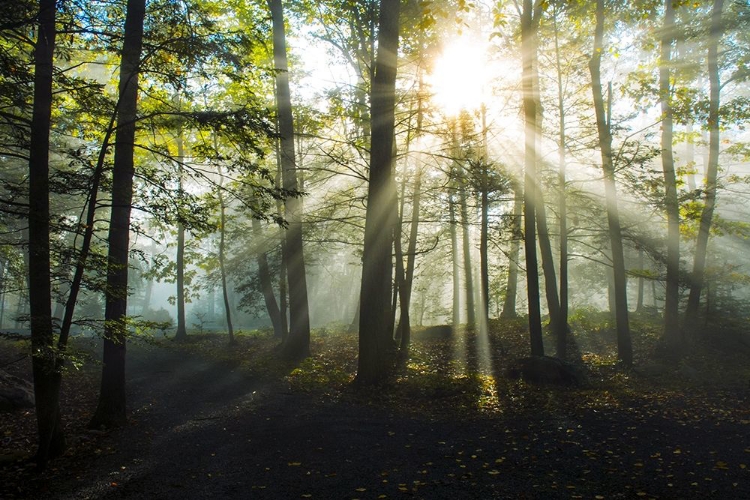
<point x="204" y="430"/>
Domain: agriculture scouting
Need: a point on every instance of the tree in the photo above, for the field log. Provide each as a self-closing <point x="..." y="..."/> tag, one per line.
<point x="714" y="132"/>
<point x="672" y="332"/>
<point x="297" y="344"/>
<point x="181" y="333"/>
<point x="111" y="409"/>
<point x="530" y="17"/>
<point x="461" y="179"/>
<point x="222" y="245"/>
<point x="376" y="347"/>
<point x="604" y="129"/>
<point x="264" y="276"/>
<point x="44" y="363"/>
<point x="509" y="304"/>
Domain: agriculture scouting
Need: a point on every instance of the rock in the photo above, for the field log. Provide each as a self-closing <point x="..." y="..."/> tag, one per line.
<point x="546" y="370"/>
<point x="15" y="393"/>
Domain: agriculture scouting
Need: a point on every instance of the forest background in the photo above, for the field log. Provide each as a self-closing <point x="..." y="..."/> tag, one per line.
<point x="367" y="166"/>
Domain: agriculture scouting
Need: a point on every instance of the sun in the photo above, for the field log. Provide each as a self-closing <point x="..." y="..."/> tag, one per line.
<point x="458" y="78"/>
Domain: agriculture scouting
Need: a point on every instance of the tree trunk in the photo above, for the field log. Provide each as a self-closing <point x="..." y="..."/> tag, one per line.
<point x="624" y="345"/>
<point x="375" y="341"/>
<point x="111" y="410"/>
<point x="222" y="267"/>
<point x="44" y="365"/>
<point x="562" y="206"/>
<point x="283" y="302"/>
<point x="266" y="285"/>
<point x="639" y="301"/>
<point x="484" y="271"/>
<point x="181" y="333"/>
<point x="699" y="264"/>
<point x="297" y="344"/>
<point x="456" y="264"/>
<point x="411" y="253"/>
<point x="548" y="268"/>
<point x="672" y="333"/>
<point x="459" y="175"/>
<point x="529" y="25"/>
<point x="509" y="304"/>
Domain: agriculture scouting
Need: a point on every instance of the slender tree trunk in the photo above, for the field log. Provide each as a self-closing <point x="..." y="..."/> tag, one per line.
<point x="111" y="409"/>
<point x="222" y="267"/>
<point x="456" y="265"/>
<point x="297" y="345"/>
<point x="484" y="269"/>
<point x="639" y="302"/>
<point x="283" y="302"/>
<point x="509" y="304"/>
<point x="181" y="333"/>
<point x="690" y="155"/>
<point x="44" y="365"/>
<point x="465" y="234"/>
<point x="562" y="205"/>
<point x="699" y="264"/>
<point x="411" y="253"/>
<point x="529" y="25"/>
<point x="672" y="333"/>
<point x="266" y="284"/>
<point x="603" y="125"/>
<point x="375" y="341"/>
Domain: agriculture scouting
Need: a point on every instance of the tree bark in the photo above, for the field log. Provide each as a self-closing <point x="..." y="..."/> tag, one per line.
<point x="411" y="253"/>
<point x="181" y="333"/>
<point x="297" y="344"/>
<point x="709" y="200"/>
<point x="509" y="304"/>
<point x="376" y="349"/>
<point x="672" y="333"/>
<point x="641" y="263"/>
<point x="222" y="266"/>
<point x="484" y="271"/>
<point x="111" y="408"/>
<point x="461" y="181"/>
<point x="266" y="285"/>
<point x="456" y="264"/>
<point x="44" y="363"/>
<point x="624" y="345"/>
<point x="562" y="206"/>
<point x="529" y="25"/>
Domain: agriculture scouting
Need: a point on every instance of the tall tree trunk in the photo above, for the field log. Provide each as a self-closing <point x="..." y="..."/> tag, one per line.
<point x="699" y="263"/>
<point x="297" y="344"/>
<point x="111" y="409"/>
<point x="375" y="341"/>
<point x="222" y="266"/>
<point x="456" y="264"/>
<point x="484" y="271"/>
<point x="672" y="333"/>
<point x="509" y="304"/>
<point x="44" y="365"/>
<point x="562" y="206"/>
<point x="461" y="181"/>
<point x="266" y="285"/>
<point x="641" y="263"/>
<point x="411" y="253"/>
<point x="181" y="333"/>
<point x="283" y="302"/>
<point x="603" y="125"/>
<point x="529" y="25"/>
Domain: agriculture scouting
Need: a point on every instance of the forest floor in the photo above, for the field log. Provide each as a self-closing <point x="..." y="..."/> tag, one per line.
<point x="210" y="421"/>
